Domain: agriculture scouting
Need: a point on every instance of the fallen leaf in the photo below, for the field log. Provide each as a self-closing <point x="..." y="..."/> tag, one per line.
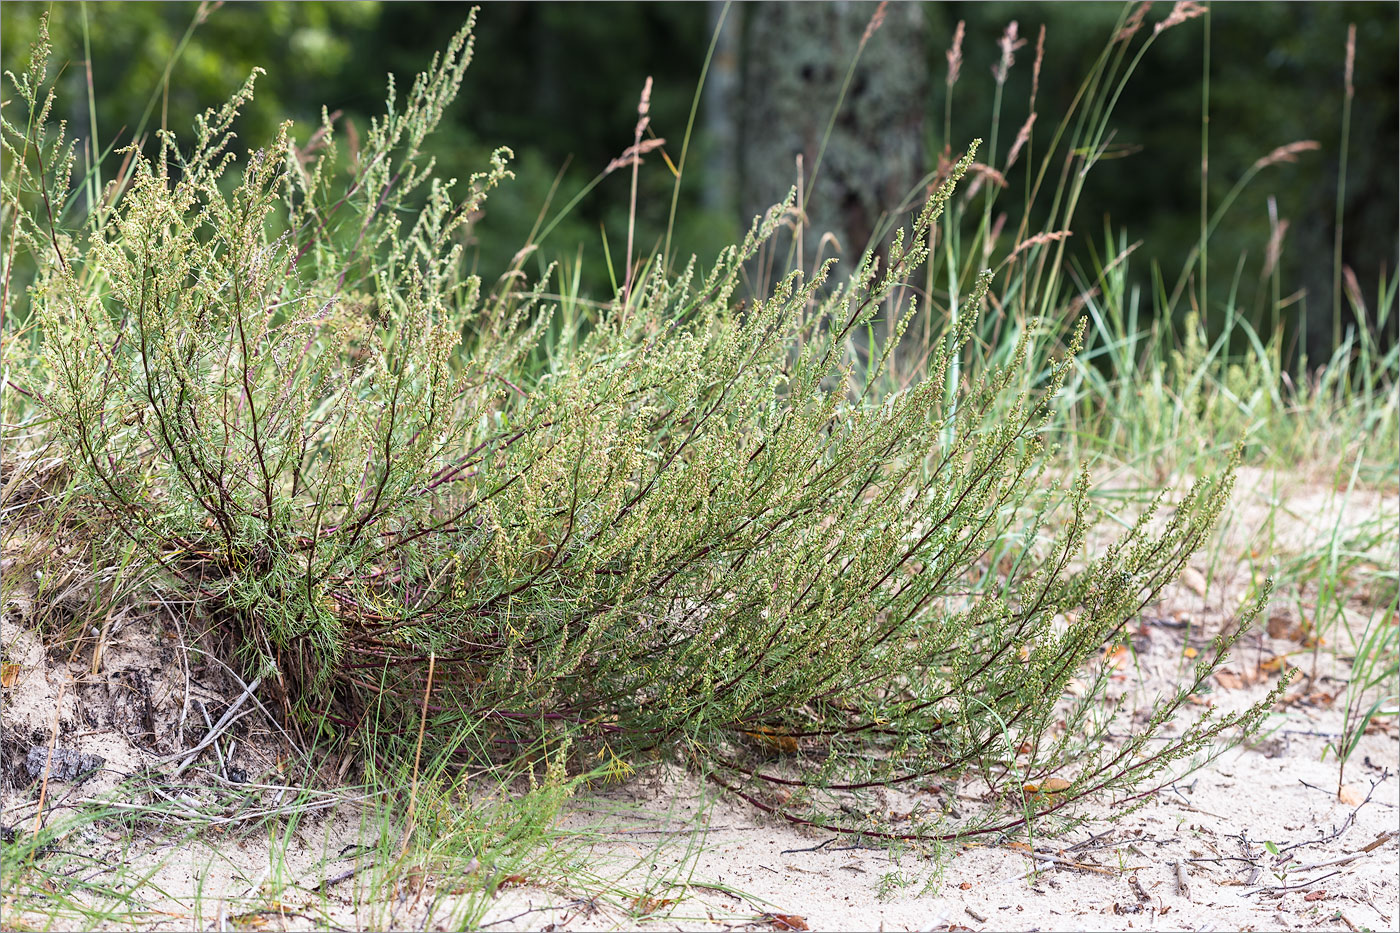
<point x="650" y="905"/>
<point x="1190" y="652"/>
<point x="1054" y="785"/>
<point x="510" y="880"/>
<point x="966" y="885"/>
<point x="257" y="919"/>
<point x="1285" y="626"/>
<point x="9" y="673"/>
<point x="1116" y="657"/>
<point x="1193" y="580"/>
<point x="1320" y="698"/>
<point x="1238" y="680"/>
<point x="412" y="880"/>
<point x="1350" y="796"/>
<point x="785" y="921"/>
<point x="1378" y="724"/>
<point x="1018" y="846"/>
<point x="776" y="741"/>
<point x="1315" y="895"/>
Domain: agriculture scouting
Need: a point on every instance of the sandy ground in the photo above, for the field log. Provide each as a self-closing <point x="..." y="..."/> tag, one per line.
<point x="1123" y="875"/>
<point x="664" y="851"/>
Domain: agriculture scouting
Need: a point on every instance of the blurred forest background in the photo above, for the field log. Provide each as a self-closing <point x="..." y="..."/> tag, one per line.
<point x="559" y="84"/>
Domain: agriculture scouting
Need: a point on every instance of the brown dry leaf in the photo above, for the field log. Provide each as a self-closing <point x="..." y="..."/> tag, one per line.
<point x="1230" y="680"/>
<point x="1236" y="680"/>
<point x="776" y="741"/>
<point x="1194" y="580"/>
<point x="650" y="905"/>
<point x="1018" y="846"/>
<point x="1350" y="796"/>
<point x="1054" y="785"/>
<point x="966" y="886"/>
<point x="1116" y="657"/>
<point x="254" y="919"/>
<point x="1315" y="895"/>
<point x="785" y="921"/>
<point x="1301" y="695"/>
<point x="1379" y="724"/>
<point x="9" y="673"/>
<point x="1190" y="652"/>
<point x="1285" y="626"/>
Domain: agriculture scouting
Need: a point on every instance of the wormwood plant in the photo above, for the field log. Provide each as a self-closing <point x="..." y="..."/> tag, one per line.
<point x="700" y="531"/>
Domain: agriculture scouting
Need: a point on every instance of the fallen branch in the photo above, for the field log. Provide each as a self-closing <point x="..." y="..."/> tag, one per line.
<point x="1291" y="887"/>
<point x="331" y="882"/>
<point x="1069" y="863"/>
<point x="218" y="729"/>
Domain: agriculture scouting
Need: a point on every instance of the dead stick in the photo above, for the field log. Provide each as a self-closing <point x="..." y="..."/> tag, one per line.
<point x="1381" y="840"/>
<point x="48" y="765"/>
<point x="214" y="733"/>
<point x="1068" y="863"/>
<point x="1344" y="860"/>
<point x="343" y="876"/>
<point x="223" y="768"/>
<point x="1182" y="887"/>
<point x="1292" y="887"/>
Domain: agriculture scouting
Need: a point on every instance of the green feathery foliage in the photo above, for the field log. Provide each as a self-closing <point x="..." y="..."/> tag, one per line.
<point x="698" y="529"/>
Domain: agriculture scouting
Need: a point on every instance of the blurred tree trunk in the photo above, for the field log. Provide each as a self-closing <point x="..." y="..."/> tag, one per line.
<point x="795" y="59"/>
<point x="721" y="136"/>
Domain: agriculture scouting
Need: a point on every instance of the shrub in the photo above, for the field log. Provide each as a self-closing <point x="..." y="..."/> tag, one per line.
<point x="700" y="526"/>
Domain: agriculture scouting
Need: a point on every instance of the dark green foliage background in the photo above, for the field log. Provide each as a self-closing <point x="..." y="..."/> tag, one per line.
<point x="558" y="82"/>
